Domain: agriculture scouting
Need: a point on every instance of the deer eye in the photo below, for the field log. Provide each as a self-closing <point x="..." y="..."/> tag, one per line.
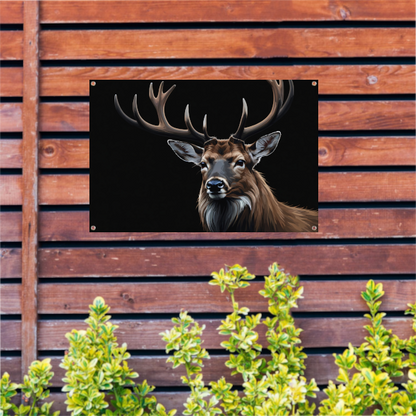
<point x="203" y="165"/>
<point x="240" y="163"/>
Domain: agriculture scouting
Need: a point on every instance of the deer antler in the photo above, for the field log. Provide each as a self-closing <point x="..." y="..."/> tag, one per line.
<point x="277" y="111"/>
<point x="191" y="135"/>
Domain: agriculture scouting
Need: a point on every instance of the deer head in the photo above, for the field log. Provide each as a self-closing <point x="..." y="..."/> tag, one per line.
<point x="230" y="184"/>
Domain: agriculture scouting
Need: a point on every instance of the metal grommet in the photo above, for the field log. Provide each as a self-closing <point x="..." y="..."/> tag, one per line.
<point x="314" y="83"/>
<point x="93" y="83"/>
<point x="93" y="227"/>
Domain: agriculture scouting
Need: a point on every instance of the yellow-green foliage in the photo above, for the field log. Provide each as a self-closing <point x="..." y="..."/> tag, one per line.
<point x="96" y="366"/>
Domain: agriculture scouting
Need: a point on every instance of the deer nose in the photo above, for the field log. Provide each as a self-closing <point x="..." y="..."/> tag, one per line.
<point x="215" y="185"/>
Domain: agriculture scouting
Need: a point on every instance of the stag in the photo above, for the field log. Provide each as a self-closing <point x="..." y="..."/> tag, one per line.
<point x="233" y="196"/>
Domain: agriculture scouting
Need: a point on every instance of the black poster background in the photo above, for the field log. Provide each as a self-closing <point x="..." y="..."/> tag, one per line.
<point x="138" y="184"/>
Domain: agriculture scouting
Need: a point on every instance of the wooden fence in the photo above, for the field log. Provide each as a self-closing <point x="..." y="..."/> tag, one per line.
<point x="52" y="267"/>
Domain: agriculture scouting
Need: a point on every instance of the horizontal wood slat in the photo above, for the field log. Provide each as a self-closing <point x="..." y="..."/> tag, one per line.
<point x="66" y="153"/>
<point x="357" y="115"/>
<point x="11" y="12"/>
<point x="11" y="226"/>
<point x="11" y="262"/>
<point x="201" y="261"/>
<point x="333" y="187"/>
<point x="11" y="45"/>
<point x="11" y="335"/>
<point x="199" y="297"/>
<point x="11" y="299"/>
<point x="11" y="117"/>
<point x="226" y="43"/>
<point x="157" y="372"/>
<point x="11" y="153"/>
<point x="333" y="223"/>
<point x="64" y="11"/>
<point x="332" y="151"/>
<point x="333" y="115"/>
<point x="366" y="151"/>
<point x="339" y="79"/>
<point x="366" y="186"/>
<point x="11" y="79"/>
<point x="144" y="334"/>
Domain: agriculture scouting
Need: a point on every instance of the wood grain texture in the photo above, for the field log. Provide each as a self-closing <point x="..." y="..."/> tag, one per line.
<point x="333" y="187"/>
<point x="11" y="45"/>
<point x="156" y="371"/>
<point x="11" y="12"/>
<point x="11" y="190"/>
<point x="11" y="336"/>
<point x="144" y="334"/>
<point x="60" y="189"/>
<point x="339" y="79"/>
<point x="333" y="115"/>
<point x="11" y="299"/>
<point x="366" y="186"/>
<point x="11" y="117"/>
<point x="11" y="226"/>
<point x="226" y="43"/>
<point x="367" y="151"/>
<point x="11" y="79"/>
<point x="333" y="151"/>
<point x="333" y="223"/>
<point x="55" y="153"/>
<point x="11" y="262"/>
<point x="201" y="297"/>
<point x="201" y="261"/>
<point x="10" y="153"/>
<point x="366" y="115"/>
<point x="224" y="11"/>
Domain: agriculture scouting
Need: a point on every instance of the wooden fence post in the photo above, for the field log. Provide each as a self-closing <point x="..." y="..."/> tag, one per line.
<point x="30" y="182"/>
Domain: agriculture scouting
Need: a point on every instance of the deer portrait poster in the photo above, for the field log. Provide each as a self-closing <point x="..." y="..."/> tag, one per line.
<point x="215" y="156"/>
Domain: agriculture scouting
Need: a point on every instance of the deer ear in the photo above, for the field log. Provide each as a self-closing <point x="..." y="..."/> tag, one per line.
<point x="187" y="151"/>
<point x="264" y="146"/>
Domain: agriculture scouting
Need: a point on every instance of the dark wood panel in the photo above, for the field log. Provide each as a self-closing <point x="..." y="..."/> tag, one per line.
<point x="11" y="190"/>
<point x="11" y="45"/>
<point x="340" y="79"/>
<point x="333" y="151"/>
<point x="55" y="153"/>
<point x="11" y="12"/>
<point x="11" y="79"/>
<point x="224" y="11"/>
<point x="333" y="223"/>
<point x="333" y="115"/>
<point x="11" y="262"/>
<point x="11" y="295"/>
<point x="11" y="335"/>
<point x="10" y="153"/>
<point x="144" y="334"/>
<point x="226" y="43"/>
<point x="366" y="115"/>
<point x="201" y="261"/>
<point x="11" y="226"/>
<point x="367" y="151"/>
<point x="366" y="186"/>
<point x="11" y="117"/>
<point x="201" y="297"/>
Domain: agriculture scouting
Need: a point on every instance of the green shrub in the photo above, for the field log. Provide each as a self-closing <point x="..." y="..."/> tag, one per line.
<point x="98" y="380"/>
